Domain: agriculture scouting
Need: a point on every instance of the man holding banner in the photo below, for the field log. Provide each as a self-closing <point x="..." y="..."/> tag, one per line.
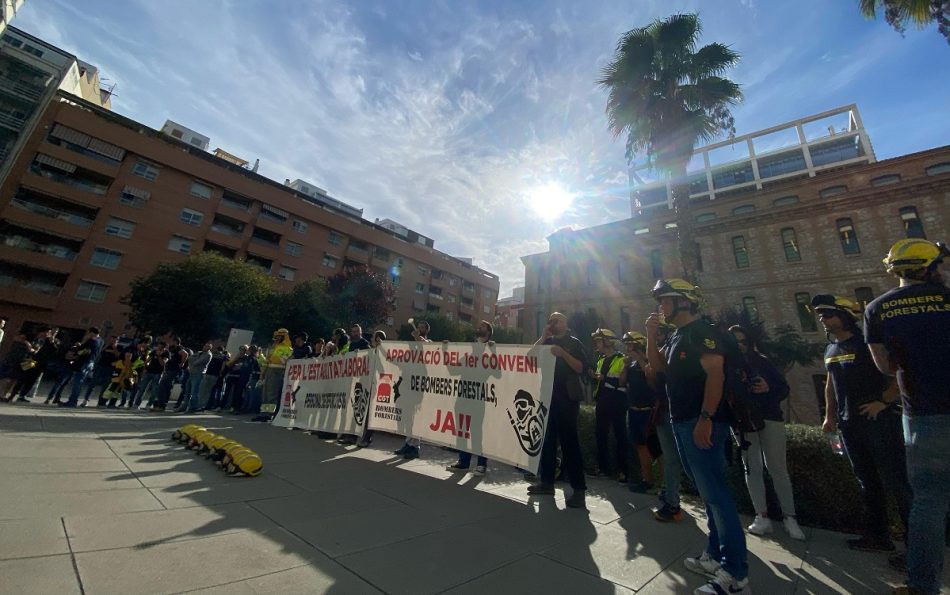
<point x="483" y="334"/>
<point x="566" y="397"/>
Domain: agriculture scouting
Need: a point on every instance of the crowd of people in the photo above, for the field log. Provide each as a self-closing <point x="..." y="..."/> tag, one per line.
<point x="673" y="396"/>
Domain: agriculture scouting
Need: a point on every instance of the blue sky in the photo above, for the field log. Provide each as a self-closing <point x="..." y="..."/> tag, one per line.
<point x="447" y="116"/>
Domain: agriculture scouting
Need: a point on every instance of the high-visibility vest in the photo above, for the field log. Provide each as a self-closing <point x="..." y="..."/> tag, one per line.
<point x="612" y="380"/>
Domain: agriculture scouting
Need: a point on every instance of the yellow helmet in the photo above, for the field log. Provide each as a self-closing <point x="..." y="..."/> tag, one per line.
<point x="634" y="337"/>
<point x="232" y="454"/>
<point x="604" y="334"/>
<point x="216" y="443"/>
<point x="218" y="451"/>
<point x="177" y="434"/>
<point x="826" y="301"/>
<point x="280" y="334"/>
<point x="914" y="255"/>
<point x="204" y="445"/>
<point x="198" y="438"/>
<point x="188" y="432"/>
<point x="248" y="463"/>
<point x="677" y="288"/>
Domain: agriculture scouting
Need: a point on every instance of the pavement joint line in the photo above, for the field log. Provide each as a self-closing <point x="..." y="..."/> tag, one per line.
<point x="150" y="544"/>
<point x="250" y="578"/>
<point x="489" y="571"/>
<point x="72" y="556"/>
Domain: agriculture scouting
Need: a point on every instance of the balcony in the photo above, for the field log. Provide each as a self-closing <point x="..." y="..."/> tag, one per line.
<point x="82" y="157"/>
<point x="357" y="253"/>
<point x="20" y="89"/>
<point x="263" y="237"/>
<point x="12" y="121"/>
<point x="264" y="264"/>
<point x="30" y="286"/>
<point x="51" y="207"/>
<point x="68" y="174"/>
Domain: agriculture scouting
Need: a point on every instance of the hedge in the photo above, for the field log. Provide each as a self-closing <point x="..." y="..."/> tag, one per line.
<point x="827" y="494"/>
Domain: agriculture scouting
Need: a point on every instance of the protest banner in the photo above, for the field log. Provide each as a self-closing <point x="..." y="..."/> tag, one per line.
<point x="490" y="400"/>
<point x="328" y="395"/>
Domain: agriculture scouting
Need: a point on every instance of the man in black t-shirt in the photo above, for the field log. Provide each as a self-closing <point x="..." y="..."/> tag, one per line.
<point x="148" y="381"/>
<point x="908" y="332"/>
<point x="693" y="363"/>
<point x="566" y="396"/>
<point x="639" y="381"/>
<point x="87" y="355"/>
<point x="177" y="358"/>
<point x="862" y="404"/>
<point x="610" y="409"/>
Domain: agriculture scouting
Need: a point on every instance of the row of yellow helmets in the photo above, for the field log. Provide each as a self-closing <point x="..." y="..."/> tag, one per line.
<point x="232" y="456"/>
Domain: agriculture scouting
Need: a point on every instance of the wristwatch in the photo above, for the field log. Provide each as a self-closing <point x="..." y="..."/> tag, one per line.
<point x="705" y="414"/>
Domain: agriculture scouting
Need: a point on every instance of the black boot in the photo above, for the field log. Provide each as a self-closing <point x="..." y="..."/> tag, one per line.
<point x="577" y="500"/>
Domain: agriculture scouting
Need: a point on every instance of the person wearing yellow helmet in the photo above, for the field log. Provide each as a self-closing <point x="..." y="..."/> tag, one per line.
<point x="693" y="362"/>
<point x="609" y="405"/>
<point x="272" y="376"/>
<point x="639" y="381"/>
<point x="861" y="403"/>
<point x="908" y="332"/>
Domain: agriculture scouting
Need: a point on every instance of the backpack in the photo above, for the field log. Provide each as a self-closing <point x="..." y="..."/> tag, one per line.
<point x="745" y="411"/>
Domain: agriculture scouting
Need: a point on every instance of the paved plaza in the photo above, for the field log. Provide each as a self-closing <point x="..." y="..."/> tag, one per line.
<point x="102" y="502"/>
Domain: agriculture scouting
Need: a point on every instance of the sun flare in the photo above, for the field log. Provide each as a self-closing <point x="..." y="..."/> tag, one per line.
<point x="549" y="201"/>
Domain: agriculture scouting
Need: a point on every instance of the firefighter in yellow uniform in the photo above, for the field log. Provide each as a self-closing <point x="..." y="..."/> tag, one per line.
<point x="611" y="405"/>
<point x="272" y="376"/>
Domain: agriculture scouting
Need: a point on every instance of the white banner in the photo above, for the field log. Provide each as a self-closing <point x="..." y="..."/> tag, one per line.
<point x="486" y="400"/>
<point x="328" y="395"/>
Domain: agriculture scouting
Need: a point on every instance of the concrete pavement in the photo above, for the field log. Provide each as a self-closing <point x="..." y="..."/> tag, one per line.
<point x="101" y="502"/>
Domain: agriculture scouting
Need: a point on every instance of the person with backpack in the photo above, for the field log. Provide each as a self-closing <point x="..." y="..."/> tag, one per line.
<point x="766" y="447"/>
<point x="694" y="364"/>
<point x="864" y="406"/>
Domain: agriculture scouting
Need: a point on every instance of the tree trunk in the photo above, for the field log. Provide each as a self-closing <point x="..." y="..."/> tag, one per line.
<point x="684" y="226"/>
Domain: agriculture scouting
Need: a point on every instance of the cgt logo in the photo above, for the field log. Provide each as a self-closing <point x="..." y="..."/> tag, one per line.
<point x="360" y="403"/>
<point x="527" y="420"/>
<point x="386" y="391"/>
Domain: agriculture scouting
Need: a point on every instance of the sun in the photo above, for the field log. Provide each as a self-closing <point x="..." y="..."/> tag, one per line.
<point x="549" y="201"/>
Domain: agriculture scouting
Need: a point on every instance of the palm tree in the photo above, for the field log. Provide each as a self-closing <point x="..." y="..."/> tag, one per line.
<point x="665" y="95"/>
<point x="921" y="13"/>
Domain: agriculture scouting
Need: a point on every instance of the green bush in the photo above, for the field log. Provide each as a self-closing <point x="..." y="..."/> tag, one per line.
<point x="827" y="494"/>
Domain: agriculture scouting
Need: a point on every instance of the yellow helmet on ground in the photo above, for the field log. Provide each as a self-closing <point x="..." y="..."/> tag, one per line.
<point x="177" y="434"/>
<point x="188" y="432"/>
<point x="218" y="451"/>
<point x="635" y="338"/>
<point x="677" y="288"/>
<point x="204" y="445"/>
<point x="216" y="443"/>
<point x="247" y="463"/>
<point x="198" y="438"/>
<point x="914" y="254"/>
<point x="232" y="454"/>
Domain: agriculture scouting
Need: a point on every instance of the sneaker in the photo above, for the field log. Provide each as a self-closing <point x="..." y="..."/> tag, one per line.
<point x="22" y="400"/>
<point x="871" y="544"/>
<point x="456" y="468"/>
<point x="412" y="452"/>
<point x="83" y="404"/>
<point x="792" y="528"/>
<point x="541" y="489"/>
<point x="668" y="514"/>
<point x="761" y="525"/>
<point x="723" y="583"/>
<point x="703" y="565"/>
<point x="577" y="500"/>
<point x="480" y="470"/>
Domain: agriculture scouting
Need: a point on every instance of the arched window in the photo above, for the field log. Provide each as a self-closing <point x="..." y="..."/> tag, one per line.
<point x="790" y="244"/>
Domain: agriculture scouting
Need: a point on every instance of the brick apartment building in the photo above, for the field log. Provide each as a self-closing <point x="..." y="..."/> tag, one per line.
<point x="95" y="199"/>
<point x="766" y="245"/>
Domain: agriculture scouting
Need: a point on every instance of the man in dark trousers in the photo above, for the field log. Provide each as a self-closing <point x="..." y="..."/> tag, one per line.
<point x="908" y="332"/>
<point x="862" y="404"/>
<point x="87" y="356"/>
<point x="566" y="397"/>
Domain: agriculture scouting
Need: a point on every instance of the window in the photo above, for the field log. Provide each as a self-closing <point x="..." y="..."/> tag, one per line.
<point x="790" y="243"/>
<point x="805" y="316"/>
<point x="133" y="197"/>
<point x="886" y="180"/>
<point x="422" y="270"/>
<point x="704" y="217"/>
<point x="191" y="217"/>
<point x="740" y="252"/>
<point x="32" y="50"/>
<point x="330" y="261"/>
<point x="145" y="170"/>
<point x="669" y="225"/>
<point x="120" y="228"/>
<point x="863" y="295"/>
<point x="273" y="213"/>
<point x="832" y="191"/>
<point x="450" y="297"/>
<point x="299" y="226"/>
<point x="656" y="264"/>
<point x="201" y="190"/>
<point x="91" y="291"/>
<point x="453" y="281"/>
<point x="940" y="168"/>
<point x="196" y="142"/>
<point x="743" y="210"/>
<point x="849" y="238"/>
<point x="420" y="288"/>
<point x="176" y="133"/>
<point x="287" y="273"/>
<point x="785" y="201"/>
<point x="179" y="243"/>
<point x="335" y="238"/>
<point x="292" y="248"/>
<point x="913" y="227"/>
<point x="750" y="308"/>
<point x="105" y="258"/>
